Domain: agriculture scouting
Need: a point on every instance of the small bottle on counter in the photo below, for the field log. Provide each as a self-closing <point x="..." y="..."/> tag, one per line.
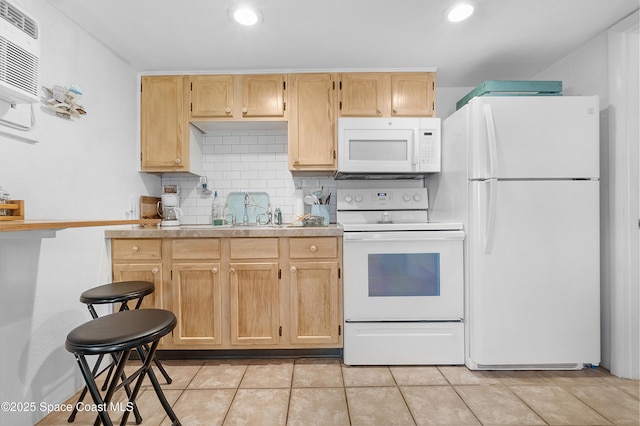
<point x="277" y="217"/>
<point x="216" y="211"/>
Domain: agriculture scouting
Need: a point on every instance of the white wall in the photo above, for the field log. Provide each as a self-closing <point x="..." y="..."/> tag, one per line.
<point x="586" y="72"/>
<point x="80" y="169"/>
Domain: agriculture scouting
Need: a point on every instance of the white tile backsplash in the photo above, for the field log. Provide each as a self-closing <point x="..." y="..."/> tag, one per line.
<point x="245" y="161"/>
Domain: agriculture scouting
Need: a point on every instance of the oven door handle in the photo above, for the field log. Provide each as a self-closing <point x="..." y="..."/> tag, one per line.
<point x="404" y="237"/>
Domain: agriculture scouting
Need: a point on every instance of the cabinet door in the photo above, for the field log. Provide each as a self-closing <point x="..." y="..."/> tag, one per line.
<point x="254" y="305"/>
<point x="315" y="308"/>
<point x="263" y="95"/>
<point x="197" y="303"/>
<point x="211" y="96"/>
<point x="312" y="122"/>
<point x="164" y="132"/>
<point x="142" y="272"/>
<point x="363" y="95"/>
<point x="412" y="94"/>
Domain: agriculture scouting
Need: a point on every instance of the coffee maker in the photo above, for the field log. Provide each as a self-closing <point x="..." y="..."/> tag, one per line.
<point x="168" y="206"/>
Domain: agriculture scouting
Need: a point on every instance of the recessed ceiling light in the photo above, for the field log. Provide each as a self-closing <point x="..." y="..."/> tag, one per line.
<point x="459" y="12"/>
<point x="244" y="14"/>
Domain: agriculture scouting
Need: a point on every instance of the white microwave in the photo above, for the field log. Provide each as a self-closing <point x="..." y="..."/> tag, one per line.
<point x="388" y="146"/>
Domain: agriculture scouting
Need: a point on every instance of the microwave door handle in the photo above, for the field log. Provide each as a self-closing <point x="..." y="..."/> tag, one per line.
<point x="416" y="149"/>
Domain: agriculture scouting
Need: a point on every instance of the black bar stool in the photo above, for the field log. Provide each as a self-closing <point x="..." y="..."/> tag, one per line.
<point x="118" y="334"/>
<point x="121" y="292"/>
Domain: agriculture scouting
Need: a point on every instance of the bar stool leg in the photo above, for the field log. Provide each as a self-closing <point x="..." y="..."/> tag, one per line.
<point x="103" y="415"/>
<point x="95" y="373"/>
<point x="148" y="358"/>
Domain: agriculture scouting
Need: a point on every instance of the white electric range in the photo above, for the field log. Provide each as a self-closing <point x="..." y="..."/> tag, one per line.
<point x="403" y="278"/>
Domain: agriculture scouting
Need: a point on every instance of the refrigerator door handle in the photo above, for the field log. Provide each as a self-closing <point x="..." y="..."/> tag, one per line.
<point x="490" y="225"/>
<point x="491" y="139"/>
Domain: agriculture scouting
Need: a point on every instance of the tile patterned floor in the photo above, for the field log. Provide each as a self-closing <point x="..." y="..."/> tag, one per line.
<point x="317" y="391"/>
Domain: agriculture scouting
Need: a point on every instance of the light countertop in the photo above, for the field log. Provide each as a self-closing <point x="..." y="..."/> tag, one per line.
<point x="210" y="231"/>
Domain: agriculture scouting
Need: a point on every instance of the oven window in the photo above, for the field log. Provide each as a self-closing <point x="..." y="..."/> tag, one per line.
<point x="400" y="274"/>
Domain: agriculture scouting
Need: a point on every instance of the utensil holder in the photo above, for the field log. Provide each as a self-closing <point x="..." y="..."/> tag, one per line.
<point x="321" y="210"/>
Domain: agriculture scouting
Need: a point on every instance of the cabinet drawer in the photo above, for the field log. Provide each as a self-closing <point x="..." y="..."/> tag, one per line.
<point x="306" y="248"/>
<point x="196" y="248"/>
<point x="254" y="248"/>
<point x="136" y="249"/>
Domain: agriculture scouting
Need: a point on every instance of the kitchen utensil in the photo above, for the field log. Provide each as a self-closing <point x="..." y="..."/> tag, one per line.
<point x="309" y="200"/>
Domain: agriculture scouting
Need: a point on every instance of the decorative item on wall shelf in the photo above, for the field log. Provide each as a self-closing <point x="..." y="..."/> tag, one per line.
<point x="63" y="101"/>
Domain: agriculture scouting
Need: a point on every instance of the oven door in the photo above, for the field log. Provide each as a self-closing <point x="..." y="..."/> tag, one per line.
<point x="403" y="276"/>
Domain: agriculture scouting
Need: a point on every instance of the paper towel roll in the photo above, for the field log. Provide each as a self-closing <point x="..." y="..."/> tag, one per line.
<point x="299" y="211"/>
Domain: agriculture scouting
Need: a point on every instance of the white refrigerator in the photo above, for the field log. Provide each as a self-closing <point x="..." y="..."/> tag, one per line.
<point x="522" y="174"/>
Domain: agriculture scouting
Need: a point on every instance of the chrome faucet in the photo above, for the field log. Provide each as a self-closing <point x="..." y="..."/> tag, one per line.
<point x="245" y="218"/>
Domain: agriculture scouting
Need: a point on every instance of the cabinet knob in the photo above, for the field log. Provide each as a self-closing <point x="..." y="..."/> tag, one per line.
<point x="294" y="269"/>
<point x="395" y="110"/>
<point x="244" y="110"/>
<point x="379" y="110"/>
<point x="214" y="270"/>
<point x="227" y="110"/>
<point x="232" y="270"/>
<point x="313" y="249"/>
<point x="155" y="271"/>
<point x="178" y="161"/>
<point x="135" y="249"/>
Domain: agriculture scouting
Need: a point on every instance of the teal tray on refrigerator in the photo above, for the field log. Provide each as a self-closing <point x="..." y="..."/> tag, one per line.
<point x="513" y="88"/>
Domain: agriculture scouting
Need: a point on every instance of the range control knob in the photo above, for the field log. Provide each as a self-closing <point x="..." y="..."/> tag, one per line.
<point x="359" y="198"/>
<point x="406" y="198"/>
<point x="417" y="197"/>
<point x="348" y="198"/>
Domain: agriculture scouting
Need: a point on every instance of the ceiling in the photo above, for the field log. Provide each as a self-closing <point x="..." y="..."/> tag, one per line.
<point x="504" y="39"/>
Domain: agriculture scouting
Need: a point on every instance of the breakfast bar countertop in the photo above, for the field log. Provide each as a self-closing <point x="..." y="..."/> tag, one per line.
<point x="210" y="231"/>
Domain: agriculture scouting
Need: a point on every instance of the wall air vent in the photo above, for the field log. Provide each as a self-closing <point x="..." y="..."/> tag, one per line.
<point x="19" y="55"/>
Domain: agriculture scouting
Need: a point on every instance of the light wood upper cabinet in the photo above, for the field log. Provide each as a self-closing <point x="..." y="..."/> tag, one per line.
<point x="312" y="121"/>
<point x="363" y="94"/>
<point x="413" y="94"/>
<point x="263" y="95"/>
<point x="237" y="97"/>
<point x="168" y="143"/>
<point x="211" y="96"/>
<point x="387" y="94"/>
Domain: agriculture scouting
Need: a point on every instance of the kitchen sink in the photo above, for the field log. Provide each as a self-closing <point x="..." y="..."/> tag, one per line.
<point x="237" y="225"/>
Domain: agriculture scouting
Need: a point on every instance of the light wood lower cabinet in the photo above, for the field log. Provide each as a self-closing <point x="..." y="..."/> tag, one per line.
<point x="197" y="303"/>
<point x="314" y="303"/>
<point x="241" y="293"/>
<point x="139" y="260"/>
<point x="254" y="303"/>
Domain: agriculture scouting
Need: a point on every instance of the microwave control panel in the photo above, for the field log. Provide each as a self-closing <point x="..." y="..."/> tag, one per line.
<point x="429" y="152"/>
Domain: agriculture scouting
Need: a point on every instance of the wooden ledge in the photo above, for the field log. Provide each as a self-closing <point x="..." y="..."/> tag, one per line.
<point x="44" y="224"/>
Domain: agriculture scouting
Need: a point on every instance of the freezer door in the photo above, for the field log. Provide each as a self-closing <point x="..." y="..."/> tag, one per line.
<point x="533" y="137"/>
<point x="533" y="277"/>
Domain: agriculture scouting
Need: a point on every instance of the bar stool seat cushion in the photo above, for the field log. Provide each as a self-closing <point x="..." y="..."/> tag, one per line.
<point x="120" y="331"/>
<point x="117" y="292"/>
